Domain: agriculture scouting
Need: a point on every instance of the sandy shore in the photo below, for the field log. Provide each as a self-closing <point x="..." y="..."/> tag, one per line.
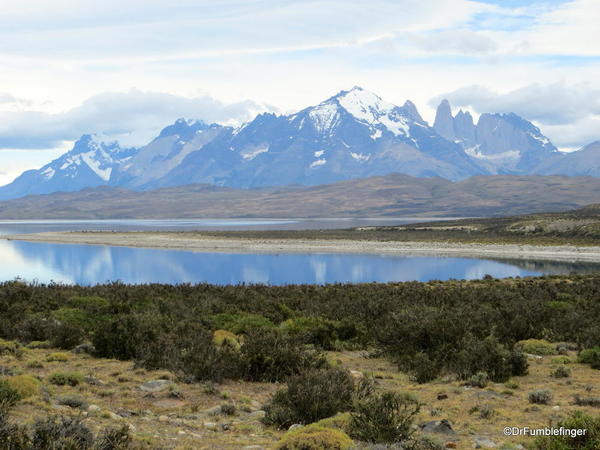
<point x="199" y="243"/>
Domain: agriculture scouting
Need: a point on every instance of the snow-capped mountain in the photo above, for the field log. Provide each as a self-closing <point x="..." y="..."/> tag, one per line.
<point x="90" y="163"/>
<point x="354" y="134"/>
<point x="503" y="143"/>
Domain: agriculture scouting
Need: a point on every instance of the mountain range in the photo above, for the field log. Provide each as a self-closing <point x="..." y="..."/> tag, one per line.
<point x="354" y="134"/>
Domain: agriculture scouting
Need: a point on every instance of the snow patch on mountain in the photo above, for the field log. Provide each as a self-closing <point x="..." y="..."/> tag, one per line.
<point x="317" y="163"/>
<point x="254" y="153"/>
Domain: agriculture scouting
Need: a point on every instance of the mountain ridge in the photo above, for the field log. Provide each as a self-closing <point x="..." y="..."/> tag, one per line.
<point x="353" y="134"/>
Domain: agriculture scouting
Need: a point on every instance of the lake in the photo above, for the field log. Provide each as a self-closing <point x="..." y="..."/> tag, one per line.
<point x="88" y="264"/>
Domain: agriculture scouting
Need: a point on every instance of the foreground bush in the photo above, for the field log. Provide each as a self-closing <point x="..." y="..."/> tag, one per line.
<point x="25" y="385"/>
<point x="9" y="396"/>
<point x="590" y="356"/>
<point x="269" y="355"/>
<point x="384" y="418"/>
<point x="315" y="437"/>
<point x="538" y="347"/>
<point x="579" y="420"/>
<point x="66" y="378"/>
<point x="309" y="397"/>
<point x="540" y="397"/>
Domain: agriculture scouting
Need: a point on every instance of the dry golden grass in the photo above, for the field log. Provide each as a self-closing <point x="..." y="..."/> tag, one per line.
<point x="175" y="418"/>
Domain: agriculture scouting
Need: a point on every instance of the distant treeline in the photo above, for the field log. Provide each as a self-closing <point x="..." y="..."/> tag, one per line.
<point x="259" y="332"/>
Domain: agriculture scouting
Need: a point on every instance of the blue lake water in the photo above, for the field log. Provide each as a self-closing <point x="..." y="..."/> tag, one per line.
<point x="87" y="264"/>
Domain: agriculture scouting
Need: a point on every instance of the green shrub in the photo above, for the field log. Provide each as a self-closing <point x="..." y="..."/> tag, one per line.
<point x="562" y="359"/>
<point x="223" y="338"/>
<point x="321" y="332"/>
<point x="66" y="378"/>
<point x="590" y="356"/>
<point x="579" y="421"/>
<point x="12" y="436"/>
<point x="9" y="396"/>
<point x="12" y="348"/>
<point x="384" y="418"/>
<point x="66" y="335"/>
<point x="540" y="397"/>
<point x="57" y="357"/>
<point x="310" y="396"/>
<point x="586" y="401"/>
<point x="422" y="368"/>
<point x="480" y="380"/>
<point x="39" y="345"/>
<point x="538" y="347"/>
<point x="561" y="372"/>
<point x="241" y="323"/>
<point x="486" y="355"/>
<point x="315" y="437"/>
<point x="62" y="433"/>
<point x="25" y="385"/>
<point x="269" y="355"/>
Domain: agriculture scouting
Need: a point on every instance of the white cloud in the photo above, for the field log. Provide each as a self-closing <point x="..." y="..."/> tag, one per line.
<point x="132" y="117"/>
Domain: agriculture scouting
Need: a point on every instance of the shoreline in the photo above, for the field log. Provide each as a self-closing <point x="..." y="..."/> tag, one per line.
<point x="199" y="243"/>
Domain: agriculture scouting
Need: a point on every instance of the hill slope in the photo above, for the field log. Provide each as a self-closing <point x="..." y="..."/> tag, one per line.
<point x="391" y="195"/>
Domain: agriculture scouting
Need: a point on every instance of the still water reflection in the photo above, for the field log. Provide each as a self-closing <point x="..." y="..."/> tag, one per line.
<point x="87" y="264"/>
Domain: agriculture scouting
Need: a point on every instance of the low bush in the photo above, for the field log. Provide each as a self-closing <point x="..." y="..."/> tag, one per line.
<point x="9" y="396"/>
<point x="315" y="437"/>
<point x="590" y="356"/>
<point x="540" y="397"/>
<point x="57" y="357"/>
<point x="241" y="323"/>
<point x="66" y="335"/>
<point x="321" y="332"/>
<point x="66" y="378"/>
<point x="39" y="345"/>
<point x="480" y="380"/>
<point x="578" y="421"/>
<point x="562" y="359"/>
<point x="538" y="347"/>
<point x="25" y="385"/>
<point x="586" y="401"/>
<point x="383" y="418"/>
<point x="223" y="338"/>
<point x="12" y="436"/>
<point x="12" y="348"/>
<point x="421" y="367"/>
<point x="310" y="396"/>
<point x="269" y="355"/>
<point x="561" y="372"/>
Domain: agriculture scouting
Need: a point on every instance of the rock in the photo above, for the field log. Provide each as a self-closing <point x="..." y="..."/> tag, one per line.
<point x="84" y="348"/>
<point x="94" y="381"/>
<point x="483" y="442"/>
<point x="124" y="413"/>
<point x="437" y="426"/>
<point x="556" y="408"/>
<point x="295" y="426"/>
<point x="155" y="385"/>
<point x="163" y="419"/>
<point x="450" y="445"/>
<point x="114" y="416"/>
<point x="211" y="426"/>
<point x="93" y="409"/>
<point x="358" y="376"/>
<point x="131" y="427"/>
<point x="214" y="411"/>
<point x="181" y="432"/>
<point x="258" y="414"/>
<point x="147" y="412"/>
<point x="442" y="396"/>
<point x="226" y="426"/>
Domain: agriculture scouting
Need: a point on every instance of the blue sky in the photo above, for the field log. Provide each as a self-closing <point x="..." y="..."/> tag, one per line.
<point x="126" y="69"/>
